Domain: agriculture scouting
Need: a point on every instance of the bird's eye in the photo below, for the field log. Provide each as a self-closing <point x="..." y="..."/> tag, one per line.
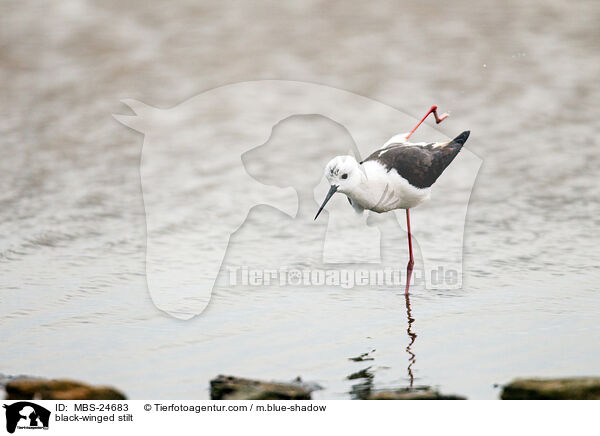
<point x="344" y="176"/>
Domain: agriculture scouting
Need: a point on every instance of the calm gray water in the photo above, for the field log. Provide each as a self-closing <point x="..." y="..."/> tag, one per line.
<point x="75" y="302"/>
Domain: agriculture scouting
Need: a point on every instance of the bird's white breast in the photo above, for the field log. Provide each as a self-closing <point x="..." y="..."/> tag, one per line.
<point x="382" y="191"/>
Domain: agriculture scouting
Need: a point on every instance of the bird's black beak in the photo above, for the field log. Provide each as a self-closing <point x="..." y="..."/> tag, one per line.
<point x="329" y="195"/>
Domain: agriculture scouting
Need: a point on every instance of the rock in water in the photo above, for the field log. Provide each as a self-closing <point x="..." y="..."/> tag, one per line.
<point x="424" y="393"/>
<point x="576" y="388"/>
<point x="234" y="388"/>
<point x="43" y="389"/>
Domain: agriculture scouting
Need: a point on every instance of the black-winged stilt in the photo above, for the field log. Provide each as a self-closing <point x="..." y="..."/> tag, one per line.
<point x="397" y="176"/>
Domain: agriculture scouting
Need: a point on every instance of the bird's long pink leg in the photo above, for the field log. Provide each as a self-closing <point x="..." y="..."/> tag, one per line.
<point x="411" y="261"/>
<point x="438" y="119"/>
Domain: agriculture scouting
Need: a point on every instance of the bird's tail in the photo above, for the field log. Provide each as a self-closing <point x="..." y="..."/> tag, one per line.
<point x="446" y="154"/>
<point x="461" y="139"/>
<point x="451" y="149"/>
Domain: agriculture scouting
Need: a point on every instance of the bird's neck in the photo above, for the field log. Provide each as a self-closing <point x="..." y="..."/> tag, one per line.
<point x="368" y="189"/>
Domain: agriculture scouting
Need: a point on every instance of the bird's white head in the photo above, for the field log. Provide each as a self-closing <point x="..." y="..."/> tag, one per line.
<point x="343" y="174"/>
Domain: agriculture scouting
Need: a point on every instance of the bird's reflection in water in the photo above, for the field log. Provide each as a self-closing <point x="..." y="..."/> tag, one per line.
<point x="364" y="386"/>
<point x="412" y="337"/>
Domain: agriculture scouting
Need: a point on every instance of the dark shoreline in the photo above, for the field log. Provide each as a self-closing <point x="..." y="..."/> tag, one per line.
<point x="235" y="388"/>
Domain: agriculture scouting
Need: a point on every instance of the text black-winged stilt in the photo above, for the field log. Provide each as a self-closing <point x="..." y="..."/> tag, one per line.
<point x="397" y="176"/>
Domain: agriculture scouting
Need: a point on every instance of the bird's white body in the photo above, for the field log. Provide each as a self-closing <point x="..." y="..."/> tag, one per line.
<point x="397" y="176"/>
<point x="371" y="186"/>
<point x="381" y="190"/>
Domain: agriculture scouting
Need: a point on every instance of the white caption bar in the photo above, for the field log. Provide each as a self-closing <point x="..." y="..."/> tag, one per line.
<point x="319" y="417"/>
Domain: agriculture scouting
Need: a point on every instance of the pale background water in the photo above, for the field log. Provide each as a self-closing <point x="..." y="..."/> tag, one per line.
<point x="75" y="303"/>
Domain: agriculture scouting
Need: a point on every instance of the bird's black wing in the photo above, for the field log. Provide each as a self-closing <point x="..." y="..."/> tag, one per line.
<point x="421" y="165"/>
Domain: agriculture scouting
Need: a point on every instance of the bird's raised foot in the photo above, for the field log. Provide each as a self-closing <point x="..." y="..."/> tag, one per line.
<point x="438" y="118"/>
